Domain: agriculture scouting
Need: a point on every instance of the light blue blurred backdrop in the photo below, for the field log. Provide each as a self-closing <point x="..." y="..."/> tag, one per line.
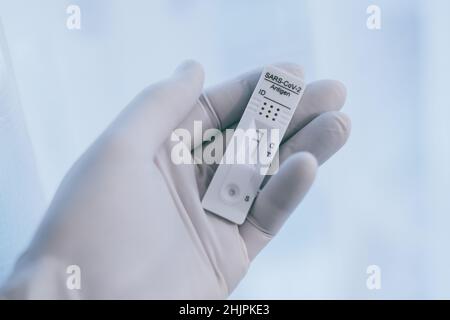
<point x="382" y="200"/>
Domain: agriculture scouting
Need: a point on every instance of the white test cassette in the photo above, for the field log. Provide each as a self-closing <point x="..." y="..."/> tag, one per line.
<point x="254" y="145"/>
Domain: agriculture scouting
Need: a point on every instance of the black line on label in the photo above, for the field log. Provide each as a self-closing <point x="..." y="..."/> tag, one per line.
<point x="278" y="103"/>
<point x="281" y="86"/>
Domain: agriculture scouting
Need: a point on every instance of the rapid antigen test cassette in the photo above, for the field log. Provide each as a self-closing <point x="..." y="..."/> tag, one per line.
<point x="251" y="152"/>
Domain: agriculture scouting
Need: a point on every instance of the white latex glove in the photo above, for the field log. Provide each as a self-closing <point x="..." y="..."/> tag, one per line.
<point x="133" y="221"/>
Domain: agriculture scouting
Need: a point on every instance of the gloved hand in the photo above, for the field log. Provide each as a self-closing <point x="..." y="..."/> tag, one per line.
<point x="132" y="220"/>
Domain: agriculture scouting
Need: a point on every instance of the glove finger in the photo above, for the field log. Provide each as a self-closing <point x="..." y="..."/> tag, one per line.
<point x="319" y="97"/>
<point x="277" y="201"/>
<point x="322" y="137"/>
<point x="153" y="115"/>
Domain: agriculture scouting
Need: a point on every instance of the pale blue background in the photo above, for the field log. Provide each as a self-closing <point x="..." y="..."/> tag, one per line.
<point x="382" y="200"/>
